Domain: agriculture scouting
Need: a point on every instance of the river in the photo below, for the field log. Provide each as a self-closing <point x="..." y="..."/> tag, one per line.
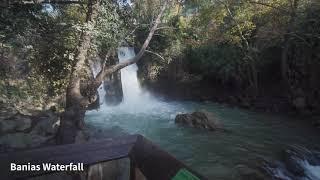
<point x="254" y="140"/>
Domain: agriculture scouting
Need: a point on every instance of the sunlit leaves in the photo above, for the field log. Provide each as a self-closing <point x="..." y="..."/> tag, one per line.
<point x="110" y="29"/>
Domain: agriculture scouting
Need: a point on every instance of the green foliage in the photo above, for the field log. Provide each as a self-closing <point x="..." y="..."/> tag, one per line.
<point x="228" y="40"/>
<point x="220" y="39"/>
<point x="111" y="27"/>
<point x="46" y="37"/>
<point x="221" y="61"/>
<point x="53" y="49"/>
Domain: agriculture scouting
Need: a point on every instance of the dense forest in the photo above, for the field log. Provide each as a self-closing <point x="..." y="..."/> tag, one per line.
<point x="256" y="54"/>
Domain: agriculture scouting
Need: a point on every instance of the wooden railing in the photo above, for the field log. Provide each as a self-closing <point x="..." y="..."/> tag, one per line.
<point x="145" y="157"/>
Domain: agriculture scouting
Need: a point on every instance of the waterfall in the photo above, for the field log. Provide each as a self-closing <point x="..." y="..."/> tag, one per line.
<point x="134" y="98"/>
<point x="130" y="84"/>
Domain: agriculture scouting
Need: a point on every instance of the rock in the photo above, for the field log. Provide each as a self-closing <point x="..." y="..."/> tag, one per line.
<point x="297" y="154"/>
<point x="47" y="124"/>
<point x="199" y="119"/>
<point x="293" y="166"/>
<point x="185" y="119"/>
<point x="23" y="122"/>
<point x="22" y="140"/>
<point x="7" y="112"/>
<point x="16" y="123"/>
<point x="7" y="126"/>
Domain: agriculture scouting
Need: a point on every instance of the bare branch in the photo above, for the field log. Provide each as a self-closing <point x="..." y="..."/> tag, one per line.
<point x="145" y="44"/>
<point x="268" y="5"/>
<point x="151" y="52"/>
<point x="161" y="35"/>
<point x="166" y="27"/>
<point x="112" y="69"/>
<point x="237" y="24"/>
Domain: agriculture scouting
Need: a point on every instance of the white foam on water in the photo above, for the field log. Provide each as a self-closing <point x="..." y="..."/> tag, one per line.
<point x="311" y="171"/>
<point x="301" y="156"/>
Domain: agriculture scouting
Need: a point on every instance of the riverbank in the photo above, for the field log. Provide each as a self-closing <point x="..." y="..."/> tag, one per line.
<point x="174" y="82"/>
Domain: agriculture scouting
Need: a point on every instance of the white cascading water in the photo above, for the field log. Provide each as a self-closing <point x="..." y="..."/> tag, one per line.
<point x="130" y="85"/>
<point x="135" y="100"/>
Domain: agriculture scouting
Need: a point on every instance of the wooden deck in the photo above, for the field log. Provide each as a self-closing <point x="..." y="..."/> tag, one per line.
<point x="152" y="161"/>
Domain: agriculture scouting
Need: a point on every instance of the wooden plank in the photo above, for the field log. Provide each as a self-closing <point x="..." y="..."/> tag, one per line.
<point x="87" y="153"/>
<point x="155" y="163"/>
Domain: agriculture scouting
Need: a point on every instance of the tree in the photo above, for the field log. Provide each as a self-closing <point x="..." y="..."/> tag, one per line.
<point x="72" y="119"/>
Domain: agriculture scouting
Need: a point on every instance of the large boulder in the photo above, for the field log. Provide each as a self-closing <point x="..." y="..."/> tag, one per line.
<point x="199" y="119"/>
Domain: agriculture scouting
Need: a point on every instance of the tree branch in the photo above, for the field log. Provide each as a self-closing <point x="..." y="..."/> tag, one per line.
<point x="166" y="27"/>
<point x="268" y="5"/>
<point x="107" y="71"/>
<point x="155" y="54"/>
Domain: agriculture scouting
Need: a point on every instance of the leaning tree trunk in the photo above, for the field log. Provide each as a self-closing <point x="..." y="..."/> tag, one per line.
<point x="72" y="120"/>
<point x="73" y="117"/>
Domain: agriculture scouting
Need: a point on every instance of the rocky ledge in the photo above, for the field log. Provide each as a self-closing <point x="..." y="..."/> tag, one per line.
<point x="20" y="130"/>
